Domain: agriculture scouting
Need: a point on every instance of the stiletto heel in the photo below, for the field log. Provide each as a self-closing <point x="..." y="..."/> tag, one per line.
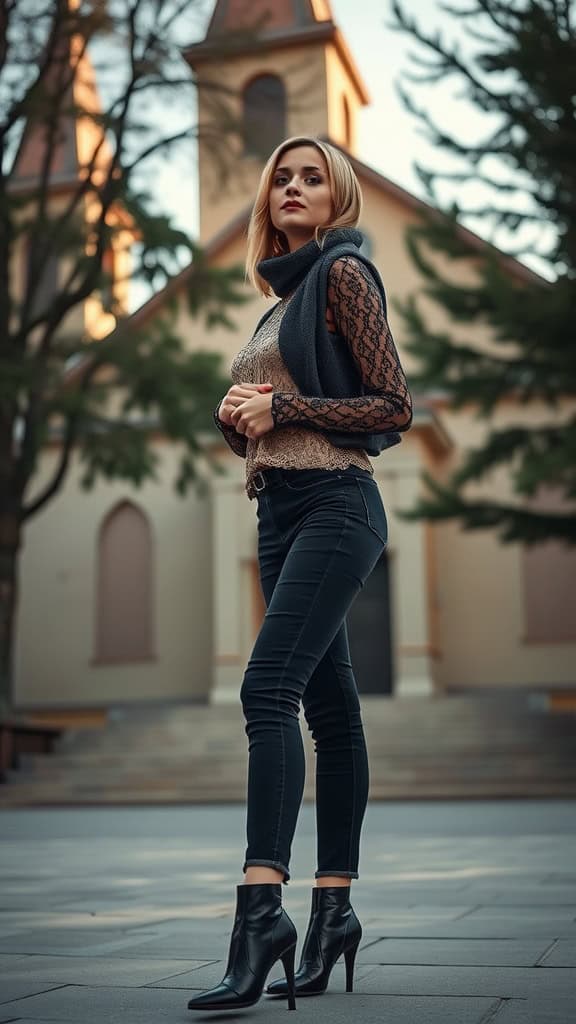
<point x="349" y="957"/>
<point x="288" y="964"/>
<point x="262" y="934"/>
<point x="333" y="929"/>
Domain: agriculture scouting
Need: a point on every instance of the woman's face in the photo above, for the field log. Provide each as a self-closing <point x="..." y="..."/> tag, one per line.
<point x="300" y="180"/>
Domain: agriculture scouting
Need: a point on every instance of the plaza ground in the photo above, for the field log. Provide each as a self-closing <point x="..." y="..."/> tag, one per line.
<point x="117" y="915"/>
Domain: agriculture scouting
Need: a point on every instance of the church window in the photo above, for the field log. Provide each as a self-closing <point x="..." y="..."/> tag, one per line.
<point x="264" y="115"/>
<point x="124" y="587"/>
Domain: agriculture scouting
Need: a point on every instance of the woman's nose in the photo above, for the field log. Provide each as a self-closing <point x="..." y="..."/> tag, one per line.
<point x="292" y="187"/>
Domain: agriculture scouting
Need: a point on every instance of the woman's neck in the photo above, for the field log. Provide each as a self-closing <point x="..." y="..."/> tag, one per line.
<point x="296" y="243"/>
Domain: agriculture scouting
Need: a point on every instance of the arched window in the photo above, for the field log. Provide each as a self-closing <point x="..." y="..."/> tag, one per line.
<point x="549" y="571"/>
<point x="124" y="625"/>
<point x="264" y="115"/>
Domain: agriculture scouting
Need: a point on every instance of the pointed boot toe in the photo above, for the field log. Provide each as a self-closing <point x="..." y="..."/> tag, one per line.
<point x="219" y="998"/>
<point x="262" y="934"/>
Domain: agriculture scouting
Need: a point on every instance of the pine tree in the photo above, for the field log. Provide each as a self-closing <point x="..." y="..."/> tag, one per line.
<point x="106" y="396"/>
<point x="519" y="70"/>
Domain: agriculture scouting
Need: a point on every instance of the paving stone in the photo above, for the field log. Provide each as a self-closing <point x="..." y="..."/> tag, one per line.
<point x="536" y="1011"/>
<point x="563" y="954"/>
<point x="485" y="929"/>
<point x="498" y="982"/>
<point x="70" y="942"/>
<point x="139" y="1006"/>
<point x="197" y="947"/>
<point x="95" y="970"/>
<point x="515" y="896"/>
<point x="527" y="911"/>
<point x="460" y="952"/>
<point x="124" y="910"/>
<point x="21" y="989"/>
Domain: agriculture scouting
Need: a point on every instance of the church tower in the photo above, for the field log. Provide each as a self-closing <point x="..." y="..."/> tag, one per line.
<point x="267" y="69"/>
<point x="73" y="151"/>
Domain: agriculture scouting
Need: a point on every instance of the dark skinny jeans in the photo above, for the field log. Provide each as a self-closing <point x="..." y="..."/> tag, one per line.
<point x="320" y="534"/>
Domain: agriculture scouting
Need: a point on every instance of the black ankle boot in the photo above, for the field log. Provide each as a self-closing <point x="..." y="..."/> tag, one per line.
<point x="262" y="934"/>
<point x="333" y="929"/>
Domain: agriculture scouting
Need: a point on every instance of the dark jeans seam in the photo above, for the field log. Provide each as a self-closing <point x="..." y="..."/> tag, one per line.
<point x="343" y="691"/>
<point x="368" y="519"/>
<point x="296" y="642"/>
<point x="275" y="853"/>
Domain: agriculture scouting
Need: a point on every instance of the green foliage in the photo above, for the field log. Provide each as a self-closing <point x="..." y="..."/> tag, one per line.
<point x="64" y="224"/>
<point x="521" y="73"/>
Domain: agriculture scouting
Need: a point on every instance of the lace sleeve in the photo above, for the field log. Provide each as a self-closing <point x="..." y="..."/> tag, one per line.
<point x="237" y="442"/>
<point x="359" y="315"/>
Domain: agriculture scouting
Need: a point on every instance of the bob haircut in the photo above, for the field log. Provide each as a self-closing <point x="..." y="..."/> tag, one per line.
<point x="264" y="240"/>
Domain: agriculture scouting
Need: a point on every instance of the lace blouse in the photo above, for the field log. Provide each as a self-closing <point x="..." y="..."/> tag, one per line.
<point x="355" y="305"/>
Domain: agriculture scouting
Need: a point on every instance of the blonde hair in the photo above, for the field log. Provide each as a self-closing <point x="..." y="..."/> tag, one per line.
<point x="264" y="240"/>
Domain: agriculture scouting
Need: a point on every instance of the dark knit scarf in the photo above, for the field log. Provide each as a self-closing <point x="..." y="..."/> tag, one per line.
<point x="319" y="361"/>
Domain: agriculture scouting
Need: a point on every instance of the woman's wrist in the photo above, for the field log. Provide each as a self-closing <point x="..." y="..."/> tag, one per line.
<point x="278" y="406"/>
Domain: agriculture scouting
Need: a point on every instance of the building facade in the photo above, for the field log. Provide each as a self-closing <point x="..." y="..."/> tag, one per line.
<point x="130" y="596"/>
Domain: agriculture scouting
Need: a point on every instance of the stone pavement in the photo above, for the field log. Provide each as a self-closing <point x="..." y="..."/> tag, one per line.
<point x="116" y="915"/>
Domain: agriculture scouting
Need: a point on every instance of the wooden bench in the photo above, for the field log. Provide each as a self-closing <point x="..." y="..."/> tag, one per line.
<point x="18" y="736"/>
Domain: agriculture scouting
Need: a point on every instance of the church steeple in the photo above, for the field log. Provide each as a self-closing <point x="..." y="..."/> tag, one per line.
<point x="69" y="87"/>
<point x="65" y="135"/>
<point x="278" y="68"/>
<point x="272" y="15"/>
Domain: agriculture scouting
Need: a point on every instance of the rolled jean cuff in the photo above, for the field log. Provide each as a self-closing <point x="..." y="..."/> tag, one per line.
<point x="337" y="874"/>
<point x="267" y="864"/>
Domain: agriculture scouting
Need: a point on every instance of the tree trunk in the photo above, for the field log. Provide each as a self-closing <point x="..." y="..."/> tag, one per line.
<point x="10" y="537"/>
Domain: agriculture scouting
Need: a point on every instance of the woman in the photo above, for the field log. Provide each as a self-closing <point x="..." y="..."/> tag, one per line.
<point x="317" y="388"/>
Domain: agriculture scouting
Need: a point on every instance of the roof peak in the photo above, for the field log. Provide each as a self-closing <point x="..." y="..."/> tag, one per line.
<point x="266" y="16"/>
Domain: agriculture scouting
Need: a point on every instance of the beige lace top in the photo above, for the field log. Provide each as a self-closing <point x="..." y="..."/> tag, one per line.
<point x="290" y="447"/>
<point x="298" y="440"/>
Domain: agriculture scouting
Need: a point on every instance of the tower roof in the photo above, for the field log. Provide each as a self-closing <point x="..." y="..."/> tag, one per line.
<point x="247" y="26"/>
<point x="268" y="15"/>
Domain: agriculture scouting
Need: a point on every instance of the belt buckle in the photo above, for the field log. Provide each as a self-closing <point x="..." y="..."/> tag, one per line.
<point x="254" y="481"/>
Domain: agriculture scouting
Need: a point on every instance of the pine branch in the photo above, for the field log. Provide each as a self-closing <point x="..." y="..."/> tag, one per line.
<point x="538" y="456"/>
<point x="513" y="523"/>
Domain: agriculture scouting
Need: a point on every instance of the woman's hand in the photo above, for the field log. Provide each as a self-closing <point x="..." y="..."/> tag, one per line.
<point x="246" y="407"/>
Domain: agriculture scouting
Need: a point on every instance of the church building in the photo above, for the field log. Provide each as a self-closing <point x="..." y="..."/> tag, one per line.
<point x="132" y="595"/>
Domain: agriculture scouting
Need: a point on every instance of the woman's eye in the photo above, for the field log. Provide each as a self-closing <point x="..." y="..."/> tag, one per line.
<point x="311" y="179"/>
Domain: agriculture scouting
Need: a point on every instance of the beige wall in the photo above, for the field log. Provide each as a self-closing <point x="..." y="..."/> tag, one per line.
<point x="55" y="636"/>
<point x="482" y="625"/>
<point x="340" y="88"/>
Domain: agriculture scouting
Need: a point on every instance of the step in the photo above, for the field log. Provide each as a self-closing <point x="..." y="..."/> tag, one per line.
<point x="419" y="748"/>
